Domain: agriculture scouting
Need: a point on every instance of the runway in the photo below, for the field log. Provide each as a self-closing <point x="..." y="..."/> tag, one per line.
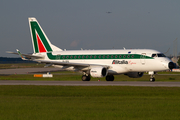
<point x="90" y="83"/>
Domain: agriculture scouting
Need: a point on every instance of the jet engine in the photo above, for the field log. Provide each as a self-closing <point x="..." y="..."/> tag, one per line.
<point x="135" y="74"/>
<point x="98" y="72"/>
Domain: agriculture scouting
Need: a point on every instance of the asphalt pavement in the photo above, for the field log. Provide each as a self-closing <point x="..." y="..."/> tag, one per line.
<point x="90" y="83"/>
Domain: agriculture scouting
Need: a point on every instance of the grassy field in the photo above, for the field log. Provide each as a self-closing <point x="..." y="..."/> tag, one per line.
<point x="77" y="77"/>
<point x="87" y="103"/>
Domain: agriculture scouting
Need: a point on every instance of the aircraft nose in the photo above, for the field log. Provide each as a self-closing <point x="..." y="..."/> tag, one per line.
<point x="171" y="65"/>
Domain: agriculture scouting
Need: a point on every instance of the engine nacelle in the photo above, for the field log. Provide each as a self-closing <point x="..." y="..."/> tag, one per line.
<point x="135" y="74"/>
<point x="98" y="72"/>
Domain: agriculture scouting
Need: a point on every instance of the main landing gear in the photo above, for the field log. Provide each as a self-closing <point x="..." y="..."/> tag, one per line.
<point x="86" y="78"/>
<point x="152" y="73"/>
<point x="109" y="78"/>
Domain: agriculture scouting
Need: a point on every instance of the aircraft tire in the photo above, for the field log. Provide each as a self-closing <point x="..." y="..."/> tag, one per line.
<point x="109" y="78"/>
<point x="86" y="78"/>
<point x="152" y="79"/>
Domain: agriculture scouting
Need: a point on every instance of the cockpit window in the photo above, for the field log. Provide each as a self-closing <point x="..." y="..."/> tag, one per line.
<point x="161" y="55"/>
<point x="154" y="55"/>
<point x="158" y="55"/>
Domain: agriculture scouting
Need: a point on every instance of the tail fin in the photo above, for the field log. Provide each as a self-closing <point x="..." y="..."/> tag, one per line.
<point x="39" y="39"/>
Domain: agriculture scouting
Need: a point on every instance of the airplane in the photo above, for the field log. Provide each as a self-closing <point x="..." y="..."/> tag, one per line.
<point x="95" y="63"/>
<point x="108" y="12"/>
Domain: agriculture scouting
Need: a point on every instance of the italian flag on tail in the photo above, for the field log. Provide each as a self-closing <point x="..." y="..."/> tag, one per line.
<point x="40" y="41"/>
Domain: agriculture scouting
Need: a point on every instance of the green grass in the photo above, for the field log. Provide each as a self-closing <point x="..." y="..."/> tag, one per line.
<point x="87" y="103"/>
<point x="77" y="77"/>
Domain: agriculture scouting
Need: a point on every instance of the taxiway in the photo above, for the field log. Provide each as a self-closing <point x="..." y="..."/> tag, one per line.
<point x="90" y="83"/>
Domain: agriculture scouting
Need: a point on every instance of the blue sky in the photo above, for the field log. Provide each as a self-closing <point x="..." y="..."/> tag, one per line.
<point x="70" y="24"/>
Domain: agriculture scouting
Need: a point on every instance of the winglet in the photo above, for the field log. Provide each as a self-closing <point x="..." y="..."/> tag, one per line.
<point x="20" y="54"/>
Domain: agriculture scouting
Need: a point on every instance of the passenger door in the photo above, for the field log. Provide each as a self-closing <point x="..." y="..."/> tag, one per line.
<point x="143" y="58"/>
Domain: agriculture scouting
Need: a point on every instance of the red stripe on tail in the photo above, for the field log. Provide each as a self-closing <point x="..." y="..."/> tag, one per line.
<point x="40" y="44"/>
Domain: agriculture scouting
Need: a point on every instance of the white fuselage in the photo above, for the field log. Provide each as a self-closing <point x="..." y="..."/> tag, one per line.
<point x="120" y="61"/>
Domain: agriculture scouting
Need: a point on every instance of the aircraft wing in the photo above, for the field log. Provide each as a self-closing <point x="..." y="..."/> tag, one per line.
<point x="71" y="64"/>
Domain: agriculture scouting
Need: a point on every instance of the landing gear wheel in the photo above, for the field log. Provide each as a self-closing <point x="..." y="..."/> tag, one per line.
<point x="86" y="78"/>
<point x="152" y="79"/>
<point x="152" y="73"/>
<point x="109" y="78"/>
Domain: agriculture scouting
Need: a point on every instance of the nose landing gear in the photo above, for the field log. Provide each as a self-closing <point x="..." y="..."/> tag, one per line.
<point x="152" y="79"/>
<point x="152" y="73"/>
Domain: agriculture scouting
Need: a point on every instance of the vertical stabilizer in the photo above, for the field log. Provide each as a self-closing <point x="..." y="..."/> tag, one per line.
<point x="40" y="41"/>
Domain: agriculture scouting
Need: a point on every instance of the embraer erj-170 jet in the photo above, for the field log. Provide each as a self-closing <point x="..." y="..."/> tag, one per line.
<point x="95" y="63"/>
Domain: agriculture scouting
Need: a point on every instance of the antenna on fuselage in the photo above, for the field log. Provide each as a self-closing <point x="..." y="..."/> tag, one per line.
<point x="124" y="48"/>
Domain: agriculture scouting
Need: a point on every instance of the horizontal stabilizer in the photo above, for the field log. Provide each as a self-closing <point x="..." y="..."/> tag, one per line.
<point x="25" y="56"/>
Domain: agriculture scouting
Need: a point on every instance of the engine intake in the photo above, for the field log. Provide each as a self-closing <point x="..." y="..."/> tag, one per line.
<point x="98" y="72"/>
